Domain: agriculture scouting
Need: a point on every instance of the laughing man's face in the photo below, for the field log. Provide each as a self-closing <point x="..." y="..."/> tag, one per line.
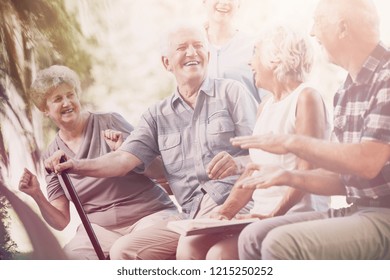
<point x="187" y="56"/>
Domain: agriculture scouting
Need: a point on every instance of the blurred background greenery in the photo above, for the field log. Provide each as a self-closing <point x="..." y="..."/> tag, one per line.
<point x="114" y="46"/>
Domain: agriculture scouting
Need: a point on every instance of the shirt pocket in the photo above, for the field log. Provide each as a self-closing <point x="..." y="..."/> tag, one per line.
<point x="220" y="128"/>
<point x="171" y="151"/>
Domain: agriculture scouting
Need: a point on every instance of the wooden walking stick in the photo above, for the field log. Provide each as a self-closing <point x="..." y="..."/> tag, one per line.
<point x="80" y="210"/>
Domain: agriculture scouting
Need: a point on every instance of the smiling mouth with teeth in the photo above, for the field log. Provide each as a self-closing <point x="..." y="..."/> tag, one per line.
<point x="191" y="63"/>
<point x="224" y="11"/>
<point x="67" y="111"/>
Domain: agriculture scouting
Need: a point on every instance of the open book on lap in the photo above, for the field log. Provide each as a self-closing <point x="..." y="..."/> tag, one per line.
<point x="208" y="226"/>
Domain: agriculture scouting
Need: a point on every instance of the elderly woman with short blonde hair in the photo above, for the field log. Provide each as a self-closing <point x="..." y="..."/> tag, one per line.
<point x="115" y="206"/>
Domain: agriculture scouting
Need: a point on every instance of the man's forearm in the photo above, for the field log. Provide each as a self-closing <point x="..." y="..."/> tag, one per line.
<point x="117" y="163"/>
<point x="317" y="181"/>
<point x="364" y="159"/>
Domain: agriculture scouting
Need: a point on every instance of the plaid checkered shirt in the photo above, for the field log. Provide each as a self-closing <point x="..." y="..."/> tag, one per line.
<point x="362" y="113"/>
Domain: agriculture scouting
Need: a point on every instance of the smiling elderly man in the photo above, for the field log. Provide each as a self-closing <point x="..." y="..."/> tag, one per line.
<point x="187" y="129"/>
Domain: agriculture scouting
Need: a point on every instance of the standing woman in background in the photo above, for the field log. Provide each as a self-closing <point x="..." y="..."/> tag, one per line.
<point x="230" y="49"/>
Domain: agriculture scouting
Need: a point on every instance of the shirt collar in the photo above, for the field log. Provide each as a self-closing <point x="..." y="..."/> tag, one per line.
<point x="205" y="88"/>
<point x="369" y="66"/>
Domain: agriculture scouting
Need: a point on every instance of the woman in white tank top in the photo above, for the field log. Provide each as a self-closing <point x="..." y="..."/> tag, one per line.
<point x="279" y="115"/>
<point x="281" y="62"/>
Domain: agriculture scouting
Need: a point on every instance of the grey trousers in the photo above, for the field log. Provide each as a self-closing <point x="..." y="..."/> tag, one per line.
<point x="362" y="233"/>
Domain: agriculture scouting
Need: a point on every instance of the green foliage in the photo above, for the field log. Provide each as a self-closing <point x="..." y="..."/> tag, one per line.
<point x="57" y="34"/>
<point x="7" y="245"/>
<point x="33" y="35"/>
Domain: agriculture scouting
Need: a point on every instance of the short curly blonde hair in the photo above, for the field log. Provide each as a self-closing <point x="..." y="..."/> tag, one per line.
<point x="49" y="79"/>
<point x="289" y="49"/>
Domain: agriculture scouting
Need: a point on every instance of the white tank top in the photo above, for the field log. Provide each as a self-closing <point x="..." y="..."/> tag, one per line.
<point x="279" y="117"/>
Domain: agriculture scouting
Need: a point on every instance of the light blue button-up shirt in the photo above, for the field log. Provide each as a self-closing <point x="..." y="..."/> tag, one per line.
<point x="188" y="139"/>
<point x="231" y="61"/>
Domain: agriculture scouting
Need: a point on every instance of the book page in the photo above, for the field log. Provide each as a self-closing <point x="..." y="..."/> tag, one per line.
<point x="208" y="226"/>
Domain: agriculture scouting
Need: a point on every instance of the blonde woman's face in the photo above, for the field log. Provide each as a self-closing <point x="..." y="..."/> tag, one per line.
<point x="263" y="74"/>
<point x="63" y="105"/>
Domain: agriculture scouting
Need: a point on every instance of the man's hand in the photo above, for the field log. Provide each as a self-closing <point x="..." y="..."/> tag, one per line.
<point x="265" y="176"/>
<point x="52" y="164"/>
<point x="29" y="183"/>
<point x="222" y="166"/>
<point x="272" y="143"/>
<point x="113" y="138"/>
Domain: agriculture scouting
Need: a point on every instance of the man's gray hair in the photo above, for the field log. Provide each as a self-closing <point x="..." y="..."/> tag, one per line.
<point x="165" y="39"/>
<point x="362" y="16"/>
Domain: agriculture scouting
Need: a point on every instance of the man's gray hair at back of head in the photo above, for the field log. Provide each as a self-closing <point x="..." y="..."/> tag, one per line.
<point x="361" y="14"/>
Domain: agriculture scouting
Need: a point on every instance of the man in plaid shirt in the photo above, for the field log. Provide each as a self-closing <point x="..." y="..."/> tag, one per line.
<point x="355" y="164"/>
